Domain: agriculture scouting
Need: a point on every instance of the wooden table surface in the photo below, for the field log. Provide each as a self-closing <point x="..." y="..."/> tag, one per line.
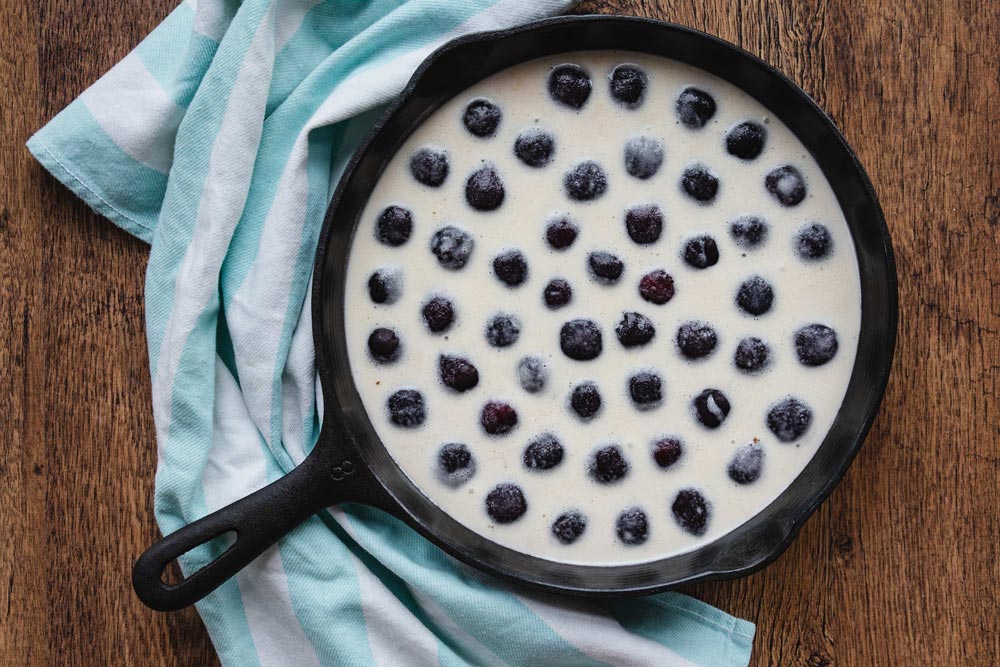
<point x="900" y="566"/>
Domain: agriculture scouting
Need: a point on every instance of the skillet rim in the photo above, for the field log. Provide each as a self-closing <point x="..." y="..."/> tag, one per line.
<point x="763" y="538"/>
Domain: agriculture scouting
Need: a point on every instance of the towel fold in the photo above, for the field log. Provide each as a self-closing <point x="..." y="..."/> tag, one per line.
<point x="219" y="140"/>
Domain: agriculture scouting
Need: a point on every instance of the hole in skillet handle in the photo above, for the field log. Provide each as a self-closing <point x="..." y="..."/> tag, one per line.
<point x="327" y="477"/>
<point x="172" y="573"/>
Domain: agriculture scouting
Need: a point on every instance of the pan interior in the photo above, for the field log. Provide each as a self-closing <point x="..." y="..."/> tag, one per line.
<point x="805" y="290"/>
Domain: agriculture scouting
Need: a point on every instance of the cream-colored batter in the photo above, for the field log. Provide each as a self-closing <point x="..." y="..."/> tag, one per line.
<point x="826" y="291"/>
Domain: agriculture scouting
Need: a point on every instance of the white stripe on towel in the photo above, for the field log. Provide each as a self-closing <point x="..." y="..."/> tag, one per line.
<point x="114" y="99"/>
<point x="599" y="636"/>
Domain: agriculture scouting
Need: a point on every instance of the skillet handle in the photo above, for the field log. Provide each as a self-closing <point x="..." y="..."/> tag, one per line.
<point x="259" y="520"/>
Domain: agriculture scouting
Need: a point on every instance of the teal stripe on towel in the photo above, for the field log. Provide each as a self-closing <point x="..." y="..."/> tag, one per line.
<point x="160" y="50"/>
<point x="696" y="630"/>
<point x="123" y="190"/>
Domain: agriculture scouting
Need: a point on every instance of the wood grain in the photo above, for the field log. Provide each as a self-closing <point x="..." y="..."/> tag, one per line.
<point x="900" y="566"/>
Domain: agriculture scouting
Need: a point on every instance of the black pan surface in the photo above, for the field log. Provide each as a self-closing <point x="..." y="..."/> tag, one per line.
<point x="349" y="463"/>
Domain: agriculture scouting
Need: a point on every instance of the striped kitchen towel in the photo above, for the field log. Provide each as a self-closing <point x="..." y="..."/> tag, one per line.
<point x="219" y="141"/>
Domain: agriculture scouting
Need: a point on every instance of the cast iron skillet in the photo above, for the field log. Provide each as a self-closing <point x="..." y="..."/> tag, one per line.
<point x="350" y="464"/>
